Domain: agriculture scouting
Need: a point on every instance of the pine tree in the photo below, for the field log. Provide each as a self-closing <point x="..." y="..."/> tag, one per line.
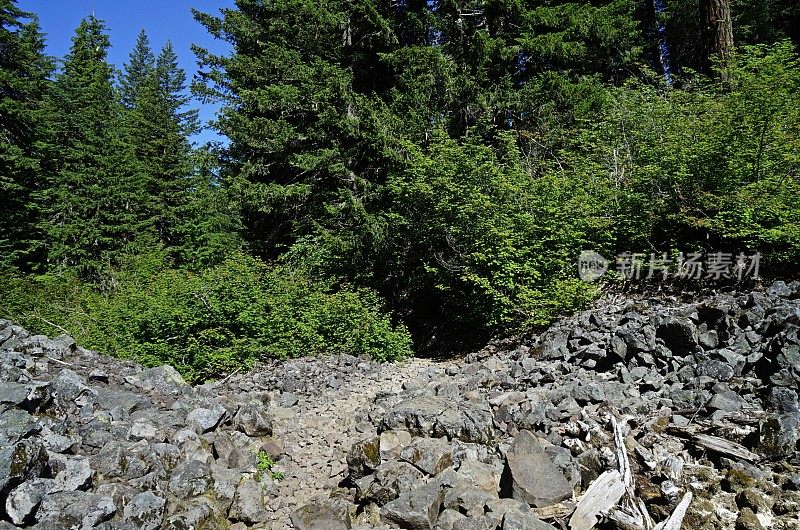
<point x="94" y="195"/>
<point x="137" y="70"/>
<point x="160" y="126"/>
<point x="24" y="70"/>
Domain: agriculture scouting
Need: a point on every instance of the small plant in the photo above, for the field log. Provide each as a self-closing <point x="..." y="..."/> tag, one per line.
<point x="265" y="464"/>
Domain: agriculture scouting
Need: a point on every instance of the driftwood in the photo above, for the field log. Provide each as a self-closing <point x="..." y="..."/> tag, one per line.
<point x="601" y="496"/>
<point x="725" y="447"/>
<point x="675" y="520"/>
<point x="633" y="513"/>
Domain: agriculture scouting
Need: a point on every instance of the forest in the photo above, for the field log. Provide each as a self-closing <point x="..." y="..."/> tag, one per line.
<point x="399" y="177"/>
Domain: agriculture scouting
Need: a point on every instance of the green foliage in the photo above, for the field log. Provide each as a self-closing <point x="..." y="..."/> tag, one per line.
<point x="93" y="194"/>
<point x="714" y="167"/>
<point x="24" y="70"/>
<point x="212" y="322"/>
<point x="265" y="465"/>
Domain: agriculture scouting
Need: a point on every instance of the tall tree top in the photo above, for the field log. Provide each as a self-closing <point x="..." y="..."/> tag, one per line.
<point x="136" y="70"/>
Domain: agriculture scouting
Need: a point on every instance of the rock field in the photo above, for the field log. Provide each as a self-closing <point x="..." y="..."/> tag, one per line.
<point x="653" y="414"/>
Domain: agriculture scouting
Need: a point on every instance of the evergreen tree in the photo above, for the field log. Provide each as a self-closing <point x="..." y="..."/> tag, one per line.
<point x="137" y="70"/>
<point x="160" y="126"/>
<point x="24" y="70"/>
<point x="93" y="201"/>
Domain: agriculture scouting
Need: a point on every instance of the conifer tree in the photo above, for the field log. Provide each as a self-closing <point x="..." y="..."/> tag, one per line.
<point x="24" y="70"/>
<point x="160" y="126"/>
<point x="94" y="196"/>
<point x="137" y="70"/>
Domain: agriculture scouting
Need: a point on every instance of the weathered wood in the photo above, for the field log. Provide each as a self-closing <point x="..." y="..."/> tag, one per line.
<point x="601" y="496"/>
<point x="723" y="446"/>
<point x="675" y="520"/>
<point x="556" y="511"/>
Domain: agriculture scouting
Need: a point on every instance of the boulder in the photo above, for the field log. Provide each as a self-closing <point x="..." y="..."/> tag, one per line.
<point x="324" y="514"/>
<point x="531" y="474"/>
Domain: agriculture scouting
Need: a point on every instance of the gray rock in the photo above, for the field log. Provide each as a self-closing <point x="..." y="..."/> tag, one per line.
<point x="165" y="381"/>
<point x="389" y="481"/>
<point x="74" y="509"/>
<point x="23" y="501"/>
<point x="679" y="335"/>
<point x="533" y="477"/>
<point x="779" y="434"/>
<point x="324" y="514"/>
<point x="191" y="478"/>
<point x="145" y="511"/>
<point x="248" y="503"/>
<point x="364" y="457"/>
<point x="481" y="475"/>
<point x="716" y="370"/>
<point x="206" y="419"/>
<point x="431" y="455"/>
<point x="75" y="472"/>
<point x="468" y="499"/>
<point x="15" y="425"/>
<point x="392" y="443"/>
<point x="253" y="420"/>
<point x="69" y="388"/>
<point x="434" y="416"/>
<point x="783" y="400"/>
<point x="709" y="339"/>
<point x="22" y="461"/>
<point x="197" y="513"/>
<point x="726" y="400"/>
<point x="415" y="510"/>
<point x="524" y="521"/>
<point x="448" y="518"/>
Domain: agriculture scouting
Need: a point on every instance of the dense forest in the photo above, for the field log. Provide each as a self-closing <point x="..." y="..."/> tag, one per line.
<point x="400" y="176"/>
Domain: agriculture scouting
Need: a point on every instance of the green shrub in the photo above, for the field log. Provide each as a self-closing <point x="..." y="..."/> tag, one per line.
<point x="212" y="322"/>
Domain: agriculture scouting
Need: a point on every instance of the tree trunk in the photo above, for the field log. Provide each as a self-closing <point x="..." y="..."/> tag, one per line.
<point x="717" y="29"/>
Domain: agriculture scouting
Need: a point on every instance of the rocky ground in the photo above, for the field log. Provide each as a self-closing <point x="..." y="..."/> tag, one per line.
<point x="638" y="414"/>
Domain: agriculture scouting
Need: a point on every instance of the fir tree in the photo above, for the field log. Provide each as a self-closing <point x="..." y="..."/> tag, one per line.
<point x="94" y="194"/>
<point x="24" y="70"/>
<point x="160" y="126"/>
<point x="137" y="70"/>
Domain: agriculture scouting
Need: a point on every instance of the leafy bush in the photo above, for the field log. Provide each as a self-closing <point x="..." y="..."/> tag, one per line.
<point x="714" y="166"/>
<point x="211" y="322"/>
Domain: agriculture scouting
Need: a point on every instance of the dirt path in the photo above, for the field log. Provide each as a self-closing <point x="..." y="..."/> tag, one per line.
<point x="319" y="431"/>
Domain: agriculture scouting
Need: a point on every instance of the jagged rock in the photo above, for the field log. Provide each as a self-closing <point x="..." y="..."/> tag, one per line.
<point x="533" y="477"/>
<point x="389" y="481"/>
<point x="431" y="455"/>
<point x="524" y="521"/>
<point x="433" y="416"/>
<point x="364" y="457"/>
<point x="679" y="335"/>
<point x="483" y="476"/>
<point x="206" y="419"/>
<point x="145" y="511"/>
<point x="25" y="460"/>
<point x="779" y="434"/>
<point x="23" y="501"/>
<point x="392" y="443"/>
<point x="15" y="425"/>
<point x="324" y="514"/>
<point x="415" y="510"/>
<point x="75" y="509"/>
<point x="164" y="380"/>
<point x="69" y="388"/>
<point x="253" y="421"/>
<point x="74" y="472"/>
<point x="467" y="499"/>
<point x="191" y="478"/>
<point x="248" y="503"/>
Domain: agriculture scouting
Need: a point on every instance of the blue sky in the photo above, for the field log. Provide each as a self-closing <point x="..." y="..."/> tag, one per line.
<point x="162" y="19"/>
